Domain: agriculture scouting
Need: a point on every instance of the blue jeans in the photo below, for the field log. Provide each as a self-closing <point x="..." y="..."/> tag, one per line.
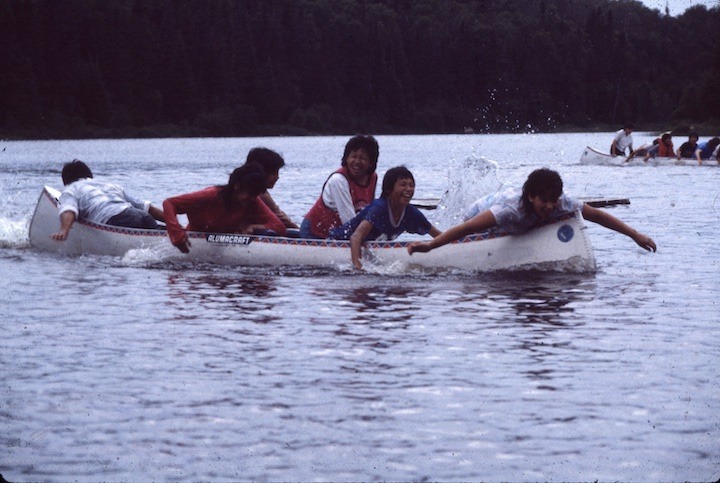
<point x="305" y="230"/>
<point x="133" y="218"/>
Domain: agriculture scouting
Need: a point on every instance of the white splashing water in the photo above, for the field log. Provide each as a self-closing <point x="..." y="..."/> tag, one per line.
<point x="473" y="178"/>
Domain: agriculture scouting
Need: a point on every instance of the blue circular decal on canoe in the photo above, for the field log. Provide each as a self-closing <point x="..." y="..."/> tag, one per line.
<point x="565" y="233"/>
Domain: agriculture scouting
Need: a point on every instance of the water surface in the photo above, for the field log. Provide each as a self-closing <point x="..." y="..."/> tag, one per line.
<point x="121" y="369"/>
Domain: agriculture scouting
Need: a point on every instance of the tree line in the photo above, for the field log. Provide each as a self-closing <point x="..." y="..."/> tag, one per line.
<point x="90" y="68"/>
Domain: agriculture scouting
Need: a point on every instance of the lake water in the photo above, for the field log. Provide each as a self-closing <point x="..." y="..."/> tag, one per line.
<point x="118" y="369"/>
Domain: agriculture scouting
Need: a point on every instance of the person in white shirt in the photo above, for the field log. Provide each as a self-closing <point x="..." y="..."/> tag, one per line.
<point x="105" y="203"/>
<point x="622" y="140"/>
<point x="515" y="212"/>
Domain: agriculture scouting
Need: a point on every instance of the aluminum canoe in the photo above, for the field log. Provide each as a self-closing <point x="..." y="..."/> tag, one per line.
<point x="561" y="244"/>
<point x="592" y="156"/>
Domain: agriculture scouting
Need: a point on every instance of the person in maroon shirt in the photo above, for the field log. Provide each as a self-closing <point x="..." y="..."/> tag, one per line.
<point x="232" y="208"/>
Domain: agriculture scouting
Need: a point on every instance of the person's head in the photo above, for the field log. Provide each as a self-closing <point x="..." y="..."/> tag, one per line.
<point x="693" y="137"/>
<point x="398" y="182"/>
<point x="666" y="137"/>
<point x="541" y="192"/>
<point x="628" y="127"/>
<point x="74" y="171"/>
<point x="361" y="155"/>
<point x="270" y="161"/>
<point x="245" y="182"/>
<point x="713" y="143"/>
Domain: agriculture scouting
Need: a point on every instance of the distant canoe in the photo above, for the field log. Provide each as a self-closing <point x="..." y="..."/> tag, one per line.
<point x="561" y="244"/>
<point x="594" y="157"/>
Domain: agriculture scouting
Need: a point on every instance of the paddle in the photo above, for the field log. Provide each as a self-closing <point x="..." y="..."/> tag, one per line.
<point x="432" y="203"/>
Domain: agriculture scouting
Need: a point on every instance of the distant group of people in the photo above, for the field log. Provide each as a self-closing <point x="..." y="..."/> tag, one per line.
<point x="662" y="147"/>
<point x="346" y="208"/>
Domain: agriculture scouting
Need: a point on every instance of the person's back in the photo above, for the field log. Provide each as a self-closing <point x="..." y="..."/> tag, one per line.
<point x="86" y="199"/>
<point x="507" y="208"/>
<point x="96" y="201"/>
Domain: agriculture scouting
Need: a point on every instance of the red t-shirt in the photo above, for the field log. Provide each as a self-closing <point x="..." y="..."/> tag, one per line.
<point x="207" y="211"/>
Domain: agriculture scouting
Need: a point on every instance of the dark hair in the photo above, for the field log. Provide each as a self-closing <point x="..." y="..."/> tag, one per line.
<point x="541" y="182"/>
<point x="74" y="171"/>
<point x="693" y="134"/>
<point x="666" y="136"/>
<point x="392" y="176"/>
<point x="269" y="160"/>
<point x="628" y="125"/>
<point x="249" y="178"/>
<point x="366" y="143"/>
<point x="713" y="143"/>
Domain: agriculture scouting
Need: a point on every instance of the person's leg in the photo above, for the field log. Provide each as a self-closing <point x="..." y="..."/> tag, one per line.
<point x="305" y="229"/>
<point x="134" y="218"/>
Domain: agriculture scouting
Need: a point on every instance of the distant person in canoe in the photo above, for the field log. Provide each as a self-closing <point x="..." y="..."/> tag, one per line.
<point x="643" y="150"/>
<point x="387" y="217"/>
<point x="707" y="150"/>
<point x="515" y="212"/>
<point x="271" y="163"/>
<point x="622" y="141"/>
<point x="688" y="148"/>
<point x="231" y="208"/>
<point x="347" y="191"/>
<point x="663" y="148"/>
<point x="86" y="199"/>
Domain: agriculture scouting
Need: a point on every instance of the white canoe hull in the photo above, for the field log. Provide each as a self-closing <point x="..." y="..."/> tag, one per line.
<point x="560" y="245"/>
<point x="594" y="157"/>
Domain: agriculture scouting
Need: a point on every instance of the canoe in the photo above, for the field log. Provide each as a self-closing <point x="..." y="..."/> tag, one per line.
<point x="561" y="244"/>
<point x="594" y="157"/>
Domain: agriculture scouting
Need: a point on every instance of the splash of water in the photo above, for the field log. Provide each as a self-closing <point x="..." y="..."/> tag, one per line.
<point x="468" y="180"/>
<point x="13" y="233"/>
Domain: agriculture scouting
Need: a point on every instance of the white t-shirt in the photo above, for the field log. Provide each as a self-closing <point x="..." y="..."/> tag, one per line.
<point x="506" y="207"/>
<point x="622" y="140"/>
<point x="336" y="196"/>
<point x="96" y="201"/>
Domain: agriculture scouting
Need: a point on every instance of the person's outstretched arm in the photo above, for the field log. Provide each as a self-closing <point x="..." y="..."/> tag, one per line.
<point x="156" y="213"/>
<point x="481" y="221"/>
<point x="67" y="218"/>
<point x="356" y="241"/>
<point x="608" y="221"/>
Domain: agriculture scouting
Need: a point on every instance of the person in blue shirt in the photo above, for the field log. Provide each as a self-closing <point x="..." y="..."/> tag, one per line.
<point x="705" y="150"/>
<point x="387" y="217"/>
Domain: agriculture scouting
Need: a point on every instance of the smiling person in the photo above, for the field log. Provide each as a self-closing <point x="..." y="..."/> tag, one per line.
<point x="232" y="208"/>
<point x="347" y="191"/>
<point x="516" y="212"/>
<point x="387" y="217"/>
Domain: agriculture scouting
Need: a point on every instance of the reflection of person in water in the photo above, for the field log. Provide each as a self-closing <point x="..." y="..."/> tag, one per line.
<point x="238" y="299"/>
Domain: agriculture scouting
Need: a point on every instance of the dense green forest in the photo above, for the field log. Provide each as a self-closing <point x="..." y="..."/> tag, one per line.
<point x="89" y="68"/>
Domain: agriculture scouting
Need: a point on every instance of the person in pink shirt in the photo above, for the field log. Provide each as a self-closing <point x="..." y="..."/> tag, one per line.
<point x="232" y="208"/>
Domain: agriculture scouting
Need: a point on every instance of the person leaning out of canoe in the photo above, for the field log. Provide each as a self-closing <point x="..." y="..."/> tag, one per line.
<point x="687" y="149"/>
<point x="622" y="140"/>
<point x="347" y="191"/>
<point x="516" y="212"/>
<point x="232" y="208"/>
<point x="99" y="202"/>
<point x="387" y="217"/>
<point x="707" y="150"/>
<point x="663" y="148"/>
<point x="271" y="162"/>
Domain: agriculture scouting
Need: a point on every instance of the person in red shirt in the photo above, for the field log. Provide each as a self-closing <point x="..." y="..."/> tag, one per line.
<point x="232" y="208"/>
